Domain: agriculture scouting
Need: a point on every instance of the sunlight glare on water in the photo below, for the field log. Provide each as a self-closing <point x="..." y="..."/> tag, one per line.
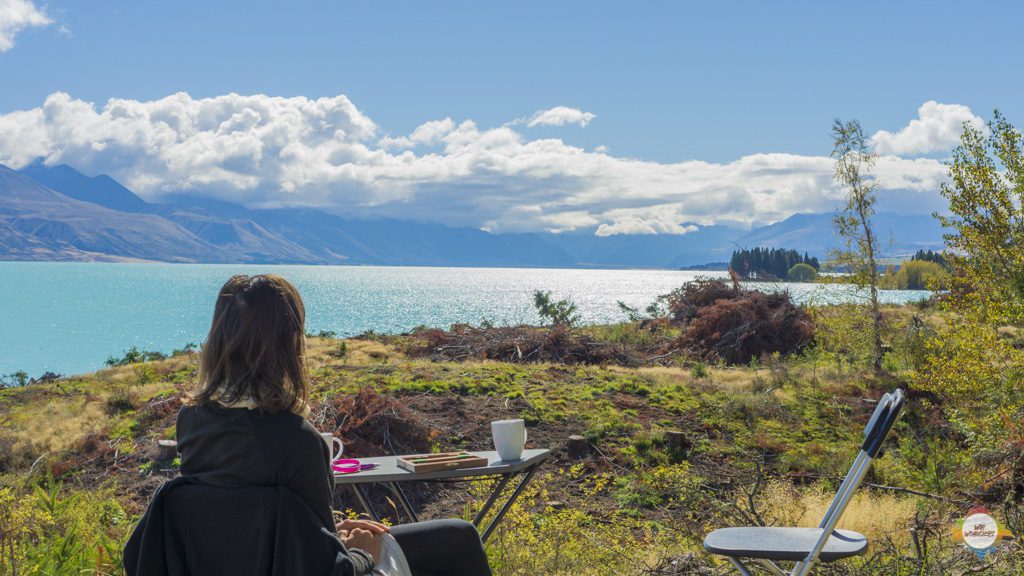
<point x="69" y="317"/>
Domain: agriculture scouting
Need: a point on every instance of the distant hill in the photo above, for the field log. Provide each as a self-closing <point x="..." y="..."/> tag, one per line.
<point x="703" y="245"/>
<point x="330" y="238"/>
<point x="899" y="234"/>
<point x="102" y="189"/>
<point x="214" y="231"/>
<point x="37" y="223"/>
<point x="58" y="213"/>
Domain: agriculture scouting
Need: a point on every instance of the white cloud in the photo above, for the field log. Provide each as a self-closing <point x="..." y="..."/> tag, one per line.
<point x="936" y="129"/>
<point x="268" y="151"/>
<point x="428" y="134"/>
<point x="637" y="225"/>
<point x="560" y="116"/>
<point x="15" y="16"/>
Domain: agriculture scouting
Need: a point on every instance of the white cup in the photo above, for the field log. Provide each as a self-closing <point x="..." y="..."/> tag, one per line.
<point x="334" y="445"/>
<point x="509" y="438"/>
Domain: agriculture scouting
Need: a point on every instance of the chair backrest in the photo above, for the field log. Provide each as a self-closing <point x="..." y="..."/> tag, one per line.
<point x="875" y="433"/>
<point x="882" y="421"/>
<point x="221" y="531"/>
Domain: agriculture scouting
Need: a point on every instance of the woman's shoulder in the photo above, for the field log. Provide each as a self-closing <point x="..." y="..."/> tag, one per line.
<point x="284" y="422"/>
<point x="285" y="426"/>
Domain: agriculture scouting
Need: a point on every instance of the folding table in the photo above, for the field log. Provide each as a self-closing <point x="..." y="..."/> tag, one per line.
<point x="391" y="476"/>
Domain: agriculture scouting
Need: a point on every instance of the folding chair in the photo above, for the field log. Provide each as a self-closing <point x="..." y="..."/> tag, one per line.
<point x="805" y="546"/>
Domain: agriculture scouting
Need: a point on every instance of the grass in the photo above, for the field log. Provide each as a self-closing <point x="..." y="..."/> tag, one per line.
<point x="769" y="441"/>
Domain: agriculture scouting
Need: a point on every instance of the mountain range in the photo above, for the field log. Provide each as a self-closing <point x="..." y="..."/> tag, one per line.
<point x="58" y="213"/>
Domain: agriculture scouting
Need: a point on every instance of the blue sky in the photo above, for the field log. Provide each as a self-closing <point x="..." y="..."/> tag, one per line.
<point x="687" y="89"/>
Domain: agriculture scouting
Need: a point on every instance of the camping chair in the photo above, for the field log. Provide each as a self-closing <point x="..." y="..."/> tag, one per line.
<point x="805" y="546"/>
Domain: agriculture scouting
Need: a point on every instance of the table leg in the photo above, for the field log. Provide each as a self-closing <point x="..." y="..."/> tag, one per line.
<point x="491" y="499"/>
<point x="364" y="501"/>
<point x="403" y="500"/>
<point x="508" y="504"/>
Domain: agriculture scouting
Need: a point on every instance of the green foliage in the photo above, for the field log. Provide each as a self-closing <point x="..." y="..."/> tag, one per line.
<point x="802" y="272"/>
<point x="924" y="275"/>
<point x="665" y="486"/>
<point x="14" y="379"/>
<point x="633" y="314"/>
<point x="699" y="370"/>
<point x="186" y="349"/>
<point x="135" y="356"/>
<point x="340" y="351"/>
<point x="561" y="312"/>
<point x="122" y="399"/>
<point x="985" y="192"/>
<point x="57" y="531"/>
<point x="915" y="275"/>
<point x="769" y="263"/>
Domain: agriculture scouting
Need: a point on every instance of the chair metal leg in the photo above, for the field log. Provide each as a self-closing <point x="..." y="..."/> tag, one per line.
<point x="828" y="524"/>
<point x="772" y="567"/>
<point x="844" y="487"/>
<point x="739" y="566"/>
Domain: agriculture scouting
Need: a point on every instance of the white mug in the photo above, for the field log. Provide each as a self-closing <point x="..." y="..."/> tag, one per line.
<point x="334" y="445"/>
<point x="509" y="438"/>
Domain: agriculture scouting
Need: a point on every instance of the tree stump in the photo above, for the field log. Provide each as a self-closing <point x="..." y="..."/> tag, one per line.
<point x="166" y="450"/>
<point x="577" y="447"/>
<point x="678" y="445"/>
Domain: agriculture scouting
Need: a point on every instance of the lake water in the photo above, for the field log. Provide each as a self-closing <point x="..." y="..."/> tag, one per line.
<point x="69" y="317"/>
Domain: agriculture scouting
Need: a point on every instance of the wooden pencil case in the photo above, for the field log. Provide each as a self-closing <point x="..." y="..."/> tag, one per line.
<point x="443" y="461"/>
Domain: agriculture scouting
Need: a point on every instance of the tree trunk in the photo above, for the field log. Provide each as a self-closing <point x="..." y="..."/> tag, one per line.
<point x="678" y="445"/>
<point x="876" y="313"/>
<point x="577" y="447"/>
<point x="166" y="450"/>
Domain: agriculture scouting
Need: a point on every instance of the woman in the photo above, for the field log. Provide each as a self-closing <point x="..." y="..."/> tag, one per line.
<point x="245" y="426"/>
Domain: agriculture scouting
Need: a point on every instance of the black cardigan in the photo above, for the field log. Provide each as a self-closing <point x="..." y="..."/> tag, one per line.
<point x="242" y="448"/>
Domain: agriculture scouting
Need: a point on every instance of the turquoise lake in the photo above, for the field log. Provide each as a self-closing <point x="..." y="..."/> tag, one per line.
<point x="69" y="317"/>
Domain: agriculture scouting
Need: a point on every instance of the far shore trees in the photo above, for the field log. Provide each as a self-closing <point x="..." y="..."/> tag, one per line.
<point x="853" y="224"/>
<point x="769" y="263"/>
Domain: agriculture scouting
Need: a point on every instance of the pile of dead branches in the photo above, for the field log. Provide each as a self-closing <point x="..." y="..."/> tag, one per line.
<point x="521" y="344"/>
<point x="748" y="324"/>
<point x="719" y="321"/>
<point x="686" y="301"/>
<point x="374" y="424"/>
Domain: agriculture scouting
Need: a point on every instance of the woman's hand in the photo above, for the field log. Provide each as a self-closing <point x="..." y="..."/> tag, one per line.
<point x="365" y="540"/>
<point x="349" y="525"/>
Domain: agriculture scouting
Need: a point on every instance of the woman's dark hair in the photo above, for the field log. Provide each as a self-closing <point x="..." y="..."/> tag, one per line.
<point x="256" y="346"/>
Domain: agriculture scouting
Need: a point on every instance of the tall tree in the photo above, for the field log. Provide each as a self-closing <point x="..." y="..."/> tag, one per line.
<point x="970" y="358"/>
<point x="986" y="204"/>
<point x="853" y="165"/>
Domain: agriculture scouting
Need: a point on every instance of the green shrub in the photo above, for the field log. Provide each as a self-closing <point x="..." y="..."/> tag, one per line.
<point x="134" y="356"/>
<point x="562" y="312"/>
<point x="802" y="273"/>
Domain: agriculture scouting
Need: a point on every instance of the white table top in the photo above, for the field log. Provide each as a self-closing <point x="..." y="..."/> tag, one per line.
<point x="388" y="470"/>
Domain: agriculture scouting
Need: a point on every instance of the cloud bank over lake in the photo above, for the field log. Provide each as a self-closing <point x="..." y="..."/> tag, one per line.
<point x="267" y="151"/>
